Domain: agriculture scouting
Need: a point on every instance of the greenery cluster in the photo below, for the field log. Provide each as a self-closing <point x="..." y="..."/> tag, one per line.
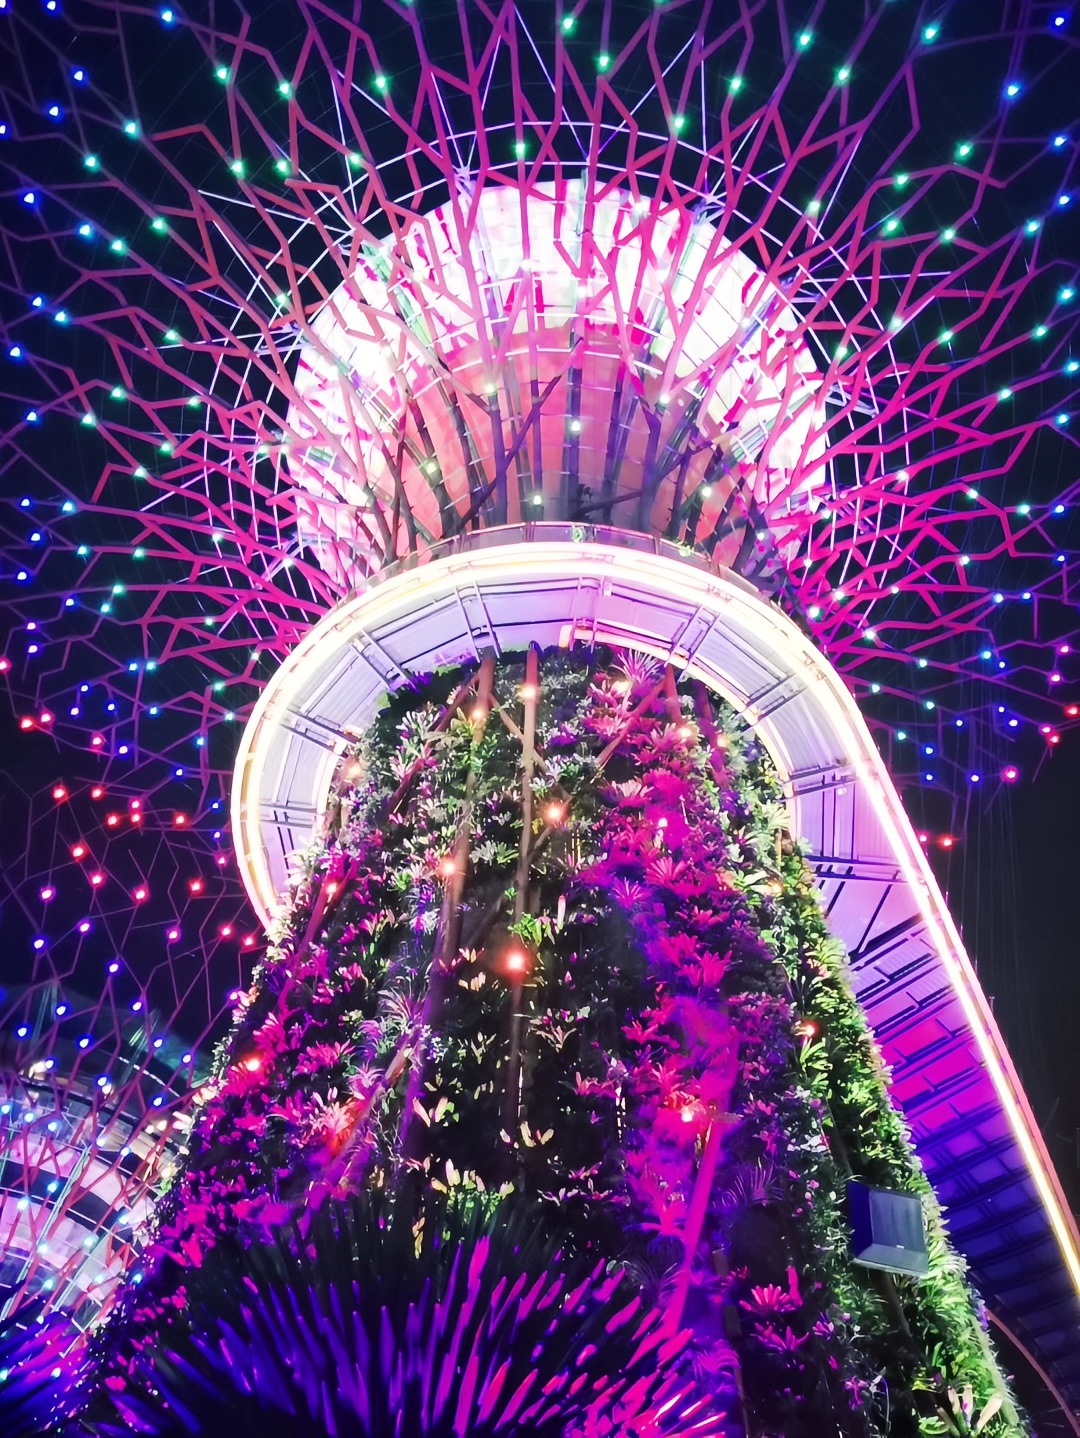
<point x="621" y="1023"/>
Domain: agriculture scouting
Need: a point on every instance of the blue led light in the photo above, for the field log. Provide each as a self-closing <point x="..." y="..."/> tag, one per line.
<point x="1012" y="89"/>
<point x="29" y="197"/>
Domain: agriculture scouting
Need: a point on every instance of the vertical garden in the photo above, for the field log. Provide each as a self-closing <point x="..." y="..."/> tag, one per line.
<point x="540" y="1113"/>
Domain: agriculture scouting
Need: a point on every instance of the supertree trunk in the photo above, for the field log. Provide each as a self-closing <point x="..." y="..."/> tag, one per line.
<point x="557" y="961"/>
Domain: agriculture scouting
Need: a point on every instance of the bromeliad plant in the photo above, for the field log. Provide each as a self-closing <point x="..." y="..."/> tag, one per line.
<point x="556" y="955"/>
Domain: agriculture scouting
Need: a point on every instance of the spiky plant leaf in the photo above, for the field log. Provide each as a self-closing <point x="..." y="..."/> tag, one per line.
<point x="41" y="1365"/>
<point x="367" y="1325"/>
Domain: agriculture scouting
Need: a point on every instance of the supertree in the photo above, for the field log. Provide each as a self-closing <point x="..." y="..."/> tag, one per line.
<point x="689" y="353"/>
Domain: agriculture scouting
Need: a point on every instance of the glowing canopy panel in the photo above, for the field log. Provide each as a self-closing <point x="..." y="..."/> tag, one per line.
<point x="952" y="1074"/>
<point x="550" y="352"/>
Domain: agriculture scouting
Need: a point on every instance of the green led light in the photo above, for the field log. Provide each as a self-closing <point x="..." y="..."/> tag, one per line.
<point x="139" y="553"/>
<point x="901" y="180"/>
<point x="118" y="392"/>
<point x="891" y="225"/>
<point x="677" y="122"/>
<point x="1032" y="227"/>
<point x="194" y="401"/>
<point x="901" y="734"/>
<point x="603" y="61"/>
<point x="158" y="225"/>
<point x="520" y="150"/>
<point x="222" y="73"/>
<point x="930" y="33"/>
<point x="814" y="207"/>
<point x="1065" y="295"/>
<point x="165" y="447"/>
<point x="91" y="162"/>
<point x="948" y="235"/>
<point x="171" y="337"/>
<point x="118" y="247"/>
<point x="1005" y="393"/>
<point x="843" y="75"/>
<point x="118" y="589"/>
<point x="355" y="160"/>
<point x="282" y="166"/>
<point x="238" y="169"/>
<point x="945" y="337"/>
<point x="568" y="23"/>
<point x="381" y="83"/>
<point x="139" y="472"/>
<point x="1039" y="332"/>
<point x="131" y="129"/>
<point x="964" y="149"/>
<point x="735" y="84"/>
<point x="814" y="612"/>
<point x="284" y="89"/>
<point x="1023" y="509"/>
<point x="805" y="40"/>
<point x="88" y="420"/>
<point x="83" y="551"/>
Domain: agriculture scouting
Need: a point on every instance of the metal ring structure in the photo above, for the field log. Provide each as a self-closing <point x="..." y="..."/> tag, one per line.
<point x="557" y="584"/>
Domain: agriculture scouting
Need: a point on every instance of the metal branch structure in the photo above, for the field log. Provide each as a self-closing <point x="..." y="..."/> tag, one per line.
<point x="298" y="301"/>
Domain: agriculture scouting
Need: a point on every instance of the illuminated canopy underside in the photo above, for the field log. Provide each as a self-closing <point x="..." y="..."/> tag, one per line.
<point x="952" y="1075"/>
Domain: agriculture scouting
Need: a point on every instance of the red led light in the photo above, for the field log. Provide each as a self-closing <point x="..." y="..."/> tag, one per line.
<point x="26" y="722"/>
<point x="59" y="793"/>
<point x="196" y="886"/>
<point x="112" y="820"/>
<point x="226" y="931"/>
<point x="97" y="879"/>
<point x="136" y="818"/>
<point x="78" y="851"/>
<point x="179" y="820"/>
<point x="97" y="792"/>
<point x="97" y="741"/>
<point x="140" y="894"/>
<point x="1072" y="710"/>
<point x="1010" y="774"/>
<point x="946" y="841"/>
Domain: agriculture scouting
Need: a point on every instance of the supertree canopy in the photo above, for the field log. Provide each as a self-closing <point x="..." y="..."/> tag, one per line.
<point x="661" y="378"/>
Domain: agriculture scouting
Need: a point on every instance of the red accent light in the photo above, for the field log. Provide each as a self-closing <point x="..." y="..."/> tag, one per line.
<point x="78" y="851"/>
<point x="141" y="893"/>
<point x="249" y="940"/>
<point x="59" y="793"/>
<point x="97" y="792"/>
<point x="196" y="886"/>
<point x="136" y="818"/>
<point x="1072" y="710"/>
<point x="517" y="961"/>
<point x="1010" y="774"/>
<point x="26" y="722"/>
<point x="226" y="931"/>
<point x="97" y="879"/>
<point x="180" y="820"/>
<point x="5" y="665"/>
<point x="252" y="1064"/>
<point x="1054" y="739"/>
<point x="173" y="935"/>
<point x="924" y="838"/>
<point x="97" y="741"/>
<point x="112" y="820"/>
<point x="946" y="841"/>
